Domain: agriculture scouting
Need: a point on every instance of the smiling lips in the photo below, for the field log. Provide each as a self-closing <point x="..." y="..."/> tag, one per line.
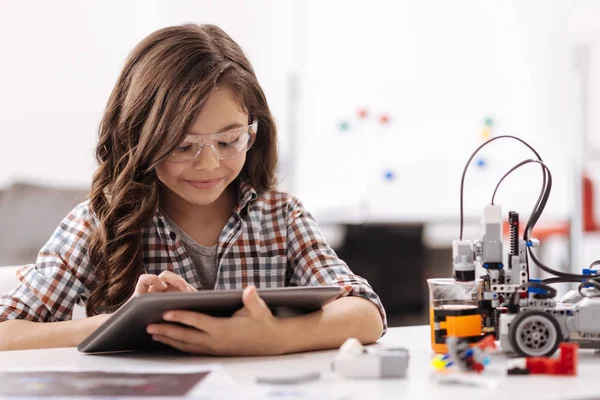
<point x="205" y="183"/>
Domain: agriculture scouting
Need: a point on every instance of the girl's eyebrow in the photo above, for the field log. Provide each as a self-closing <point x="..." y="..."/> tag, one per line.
<point x="225" y="129"/>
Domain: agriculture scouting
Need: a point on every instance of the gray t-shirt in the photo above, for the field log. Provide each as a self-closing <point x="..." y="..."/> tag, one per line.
<point x="203" y="257"/>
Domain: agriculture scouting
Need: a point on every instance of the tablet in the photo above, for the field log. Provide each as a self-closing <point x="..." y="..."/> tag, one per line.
<point x="125" y="330"/>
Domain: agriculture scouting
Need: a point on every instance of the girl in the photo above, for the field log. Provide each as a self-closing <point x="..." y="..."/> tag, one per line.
<point x="183" y="199"/>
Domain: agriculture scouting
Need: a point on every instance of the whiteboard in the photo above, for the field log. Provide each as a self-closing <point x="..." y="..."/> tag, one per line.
<point x="438" y="69"/>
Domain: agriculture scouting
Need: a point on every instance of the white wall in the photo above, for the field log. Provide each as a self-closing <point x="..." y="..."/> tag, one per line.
<point x="438" y="68"/>
<point x="59" y="61"/>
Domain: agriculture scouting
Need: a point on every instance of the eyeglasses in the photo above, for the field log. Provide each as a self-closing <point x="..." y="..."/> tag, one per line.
<point x="227" y="145"/>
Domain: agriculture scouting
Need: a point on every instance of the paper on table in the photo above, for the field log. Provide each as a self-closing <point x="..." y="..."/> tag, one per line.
<point x="98" y="383"/>
<point x="154" y="381"/>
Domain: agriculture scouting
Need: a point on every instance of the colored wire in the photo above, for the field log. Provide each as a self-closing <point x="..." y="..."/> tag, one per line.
<point x="462" y="180"/>
<point x="538" y="209"/>
<point x="550" y="291"/>
<point x="542" y="198"/>
<point x="592" y="283"/>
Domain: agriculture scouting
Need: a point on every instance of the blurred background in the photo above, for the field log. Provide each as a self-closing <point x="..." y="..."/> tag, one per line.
<point x="379" y="106"/>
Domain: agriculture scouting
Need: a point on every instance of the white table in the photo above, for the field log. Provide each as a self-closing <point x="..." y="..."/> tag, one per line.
<point x="418" y="384"/>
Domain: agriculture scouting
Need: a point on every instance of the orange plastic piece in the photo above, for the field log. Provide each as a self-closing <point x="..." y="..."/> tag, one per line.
<point x="459" y="326"/>
<point x="487" y="342"/>
<point x="542" y="232"/>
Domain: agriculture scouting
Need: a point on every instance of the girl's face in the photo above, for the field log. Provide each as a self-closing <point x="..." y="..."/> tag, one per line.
<point x="203" y="180"/>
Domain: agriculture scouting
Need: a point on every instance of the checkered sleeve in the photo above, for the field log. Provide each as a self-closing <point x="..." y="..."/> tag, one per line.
<point x="315" y="263"/>
<point x="51" y="287"/>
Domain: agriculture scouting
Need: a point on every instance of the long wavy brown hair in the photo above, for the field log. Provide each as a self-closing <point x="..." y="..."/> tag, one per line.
<point x="160" y="92"/>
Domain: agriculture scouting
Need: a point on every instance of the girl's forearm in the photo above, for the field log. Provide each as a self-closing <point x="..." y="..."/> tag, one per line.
<point x="330" y="327"/>
<point x="23" y="335"/>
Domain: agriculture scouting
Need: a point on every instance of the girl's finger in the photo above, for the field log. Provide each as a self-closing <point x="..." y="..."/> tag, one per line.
<point x="175" y="281"/>
<point x="145" y="281"/>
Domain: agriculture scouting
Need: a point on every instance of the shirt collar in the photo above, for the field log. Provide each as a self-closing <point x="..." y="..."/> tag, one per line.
<point x="246" y="193"/>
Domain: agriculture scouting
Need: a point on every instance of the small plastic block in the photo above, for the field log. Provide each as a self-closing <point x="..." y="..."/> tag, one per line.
<point x="488" y="121"/>
<point x="384" y="119"/>
<point x="536" y="365"/>
<point x="480" y="163"/>
<point x="344" y="126"/>
<point x="389" y="175"/>
<point x="487" y="343"/>
<point x="362" y="113"/>
<point x="518" y="371"/>
<point x="536" y="290"/>
<point x="553" y="366"/>
<point x="569" y="358"/>
<point x="566" y="364"/>
<point x="438" y="363"/>
<point x="587" y="271"/>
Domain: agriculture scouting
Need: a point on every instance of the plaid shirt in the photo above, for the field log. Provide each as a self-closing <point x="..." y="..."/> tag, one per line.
<point x="269" y="241"/>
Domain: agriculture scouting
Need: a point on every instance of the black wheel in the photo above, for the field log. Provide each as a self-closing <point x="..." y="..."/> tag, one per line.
<point x="534" y="333"/>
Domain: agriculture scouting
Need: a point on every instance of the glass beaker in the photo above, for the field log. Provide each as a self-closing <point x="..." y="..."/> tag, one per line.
<point x="454" y="311"/>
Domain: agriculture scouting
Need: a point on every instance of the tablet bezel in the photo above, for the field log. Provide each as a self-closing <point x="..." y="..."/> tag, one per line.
<point x="145" y="309"/>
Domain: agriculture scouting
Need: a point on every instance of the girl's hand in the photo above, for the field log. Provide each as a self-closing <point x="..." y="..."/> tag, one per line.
<point x="167" y="281"/>
<point x="252" y="330"/>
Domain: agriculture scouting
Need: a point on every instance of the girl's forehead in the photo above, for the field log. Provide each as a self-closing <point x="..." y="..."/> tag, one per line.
<point x="221" y="112"/>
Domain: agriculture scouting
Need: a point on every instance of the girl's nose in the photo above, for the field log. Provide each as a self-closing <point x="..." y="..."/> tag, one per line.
<point x="208" y="159"/>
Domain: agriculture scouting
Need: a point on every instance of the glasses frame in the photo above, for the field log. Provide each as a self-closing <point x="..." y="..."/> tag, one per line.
<point x="252" y="131"/>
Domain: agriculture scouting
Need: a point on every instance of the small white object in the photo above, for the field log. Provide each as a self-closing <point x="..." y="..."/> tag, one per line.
<point x="492" y="214"/>
<point x="520" y="363"/>
<point x="462" y="255"/>
<point x="355" y="361"/>
<point x="351" y="346"/>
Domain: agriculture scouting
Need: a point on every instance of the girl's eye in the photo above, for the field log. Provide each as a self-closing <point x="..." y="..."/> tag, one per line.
<point x="229" y="144"/>
<point x="183" y="148"/>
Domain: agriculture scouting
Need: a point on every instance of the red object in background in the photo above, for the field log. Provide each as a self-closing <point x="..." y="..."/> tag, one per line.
<point x="541" y="232"/>
<point x="362" y="113"/>
<point x="384" y="119"/>
<point x="589" y="218"/>
<point x="565" y="364"/>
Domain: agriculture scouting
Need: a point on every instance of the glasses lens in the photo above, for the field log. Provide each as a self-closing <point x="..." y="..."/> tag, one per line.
<point x="227" y="144"/>
<point x="184" y="152"/>
<point x="234" y="145"/>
